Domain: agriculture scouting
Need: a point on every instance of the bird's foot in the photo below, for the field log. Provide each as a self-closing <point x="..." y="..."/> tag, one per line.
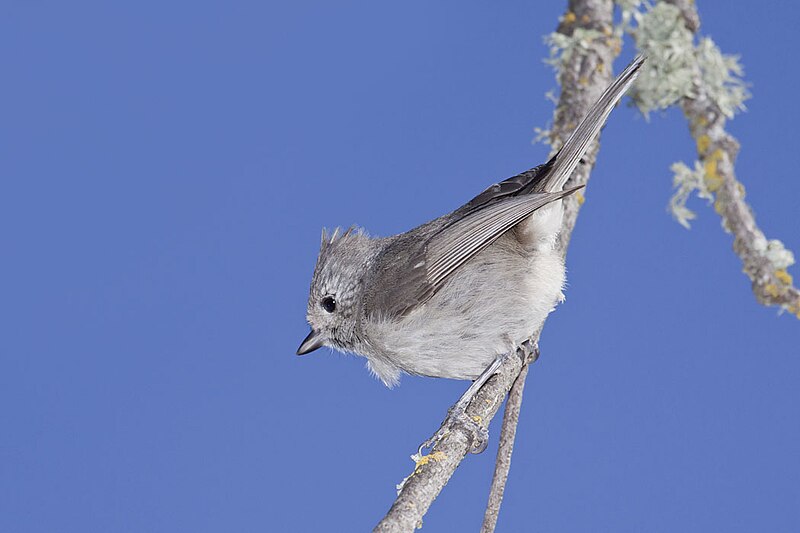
<point x="529" y="352"/>
<point x="457" y="416"/>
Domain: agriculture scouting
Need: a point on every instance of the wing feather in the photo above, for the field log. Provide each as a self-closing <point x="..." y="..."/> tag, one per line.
<point x="428" y="264"/>
<point x="460" y="241"/>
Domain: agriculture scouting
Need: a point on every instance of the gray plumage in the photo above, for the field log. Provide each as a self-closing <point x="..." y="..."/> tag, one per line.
<point x="446" y="298"/>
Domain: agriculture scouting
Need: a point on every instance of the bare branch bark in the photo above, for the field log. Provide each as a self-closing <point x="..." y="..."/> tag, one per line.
<point x="502" y="464"/>
<point x="582" y="77"/>
<point x="717" y="151"/>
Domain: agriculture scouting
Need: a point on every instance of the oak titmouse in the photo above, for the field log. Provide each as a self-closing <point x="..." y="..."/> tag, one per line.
<point x="447" y="298"/>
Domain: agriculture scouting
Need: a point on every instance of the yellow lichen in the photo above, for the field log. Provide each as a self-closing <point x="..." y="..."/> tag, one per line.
<point x="477" y="419"/>
<point x="425" y="459"/>
<point x="585" y="19"/>
<point x="712" y="178"/>
<point x="580" y="197"/>
<point x="783" y="276"/>
<point x="569" y="17"/>
<point x="772" y="290"/>
<point x="703" y="142"/>
<point x="583" y="80"/>
<point x="719" y="206"/>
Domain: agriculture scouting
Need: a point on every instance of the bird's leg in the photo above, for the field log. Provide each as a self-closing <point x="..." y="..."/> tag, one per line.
<point x="457" y="414"/>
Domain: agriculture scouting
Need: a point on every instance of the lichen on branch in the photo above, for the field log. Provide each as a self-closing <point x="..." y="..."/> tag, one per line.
<point x="690" y="71"/>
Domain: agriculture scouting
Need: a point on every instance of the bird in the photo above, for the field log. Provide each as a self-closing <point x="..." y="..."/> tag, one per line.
<point x="454" y="296"/>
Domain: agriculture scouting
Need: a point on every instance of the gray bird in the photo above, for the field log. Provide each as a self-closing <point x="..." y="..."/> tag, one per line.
<point x="453" y="296"/>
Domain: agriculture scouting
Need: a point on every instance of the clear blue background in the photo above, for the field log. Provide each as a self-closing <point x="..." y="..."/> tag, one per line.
<point x="166" y="170"/>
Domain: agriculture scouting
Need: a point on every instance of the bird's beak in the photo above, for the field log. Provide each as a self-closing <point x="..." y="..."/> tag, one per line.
<point x="311" y="343"/>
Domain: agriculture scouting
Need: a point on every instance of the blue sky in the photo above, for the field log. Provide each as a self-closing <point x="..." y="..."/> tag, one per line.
<point x="167" y="168"/>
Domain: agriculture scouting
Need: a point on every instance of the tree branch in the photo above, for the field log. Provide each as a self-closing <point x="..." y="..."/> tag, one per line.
<point x="583" y="73"/>
<point x="432" y="471"/>
<point x="717" y="150"/>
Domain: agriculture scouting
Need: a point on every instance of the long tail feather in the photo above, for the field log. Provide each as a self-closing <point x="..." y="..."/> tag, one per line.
<point x="570" y="154"/>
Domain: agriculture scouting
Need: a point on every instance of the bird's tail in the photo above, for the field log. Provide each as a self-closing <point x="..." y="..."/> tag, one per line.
<point x="567" y="158"/>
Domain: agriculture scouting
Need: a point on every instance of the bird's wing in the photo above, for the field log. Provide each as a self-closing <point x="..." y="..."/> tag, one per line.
<point x="428" y="264"/>
<point x="512" y="186"/>
<point x="457" y="243"/>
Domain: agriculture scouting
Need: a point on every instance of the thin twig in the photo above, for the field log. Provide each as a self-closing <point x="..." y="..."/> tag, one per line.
<point x="502" y="465"/>
<point x="582" y="76"/>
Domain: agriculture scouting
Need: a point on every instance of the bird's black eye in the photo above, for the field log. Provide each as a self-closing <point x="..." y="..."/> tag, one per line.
<point x="328" y="304"/>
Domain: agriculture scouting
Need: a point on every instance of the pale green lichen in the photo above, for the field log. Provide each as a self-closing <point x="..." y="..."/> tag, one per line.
<point x="562" y="47"/>
<point x="773" y="251"/>
<point x="721" y="76"/>
<point x="676" y="68"/>
<point x="662" y="36"/>
<point x="685" y="181"/>
<point x="675" y="63"/>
